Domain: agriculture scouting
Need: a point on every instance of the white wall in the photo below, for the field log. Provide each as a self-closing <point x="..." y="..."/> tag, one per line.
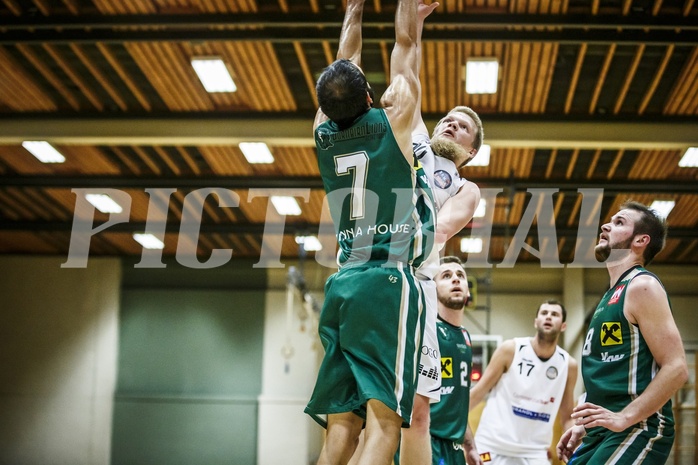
<point x="286" y="434"/>
<point x="58" y="352"/>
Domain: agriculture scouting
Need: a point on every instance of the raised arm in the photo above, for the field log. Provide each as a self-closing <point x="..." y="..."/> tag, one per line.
<point x="350" y="37"/>
<point x="399" y="99"/>
<point x="349" y="42"/>
<point x="499" y="364"/>
<point x="423" y="10"/>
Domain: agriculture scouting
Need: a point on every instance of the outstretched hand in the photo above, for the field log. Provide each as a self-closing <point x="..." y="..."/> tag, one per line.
<point x="424" y="10"/>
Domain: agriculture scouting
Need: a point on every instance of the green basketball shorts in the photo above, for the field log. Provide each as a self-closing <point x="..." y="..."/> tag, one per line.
<point x="370" y="329"/>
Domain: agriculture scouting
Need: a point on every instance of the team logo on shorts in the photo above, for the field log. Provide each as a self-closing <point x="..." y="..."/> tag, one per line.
<point x="446" y="367"/>
<point x="442" y="179"/>
<point x="486" y="457"/>
<point x="611" y="334"/>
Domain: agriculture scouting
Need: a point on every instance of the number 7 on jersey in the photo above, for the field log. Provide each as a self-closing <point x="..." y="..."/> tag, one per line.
<point x="355" y="164"/>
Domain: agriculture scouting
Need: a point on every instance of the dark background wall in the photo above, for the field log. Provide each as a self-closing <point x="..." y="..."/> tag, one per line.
<point x="189" y="367"/>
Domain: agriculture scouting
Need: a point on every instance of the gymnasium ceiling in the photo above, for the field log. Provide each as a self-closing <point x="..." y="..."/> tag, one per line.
<point x="600" y="96"/>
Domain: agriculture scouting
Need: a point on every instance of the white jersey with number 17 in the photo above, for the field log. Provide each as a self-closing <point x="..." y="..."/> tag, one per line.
<point x="521" y="409"/>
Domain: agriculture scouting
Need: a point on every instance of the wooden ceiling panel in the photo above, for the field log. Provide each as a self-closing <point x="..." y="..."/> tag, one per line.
<point x="657" y="164"/>
<point x="262" y="82"/>
<point x="168" y="69"/>
<point x="527" y="76"/>
<point x="684" y="97"/>
<point x="87" y="160"/>
<point x="683" y="213"/>
<point x="18" y="92"/>
<point x="16" y="159"/>
<point x="225" y="160"/>
<point x="313" y="210"/>
<point x="296" y="161"/>
<point x="121" y="7"/>
<point x="608" y="66"/>
<point x="507" y="161"/>
<point x="256" y="206"/>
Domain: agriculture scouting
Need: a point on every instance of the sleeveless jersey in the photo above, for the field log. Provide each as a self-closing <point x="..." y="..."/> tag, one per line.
<point x="617" y="364"/>
<point x="521" y="409"/>
<point x="442" y="172"/>
<point x="372" y="192"/>
<point x="449" y="417"/>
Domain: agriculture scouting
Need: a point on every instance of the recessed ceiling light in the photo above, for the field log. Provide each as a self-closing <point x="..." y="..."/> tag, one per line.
<point x="663" y="207"/>
<point x="256" y="152"/>
<point x="148" y="241"/>
<point x="690" y="158"/>
<point x="310" y="243"/>
<point x="104" y="203"/>
<point x="481" y="75"/>
<point x="471" y="245"/>
<point x="480" y="210"/>
<point x="213" y="74"/>
<point x="43" y="151"/>
<point x="286" y="205"/>
<point x="482" y="158"/>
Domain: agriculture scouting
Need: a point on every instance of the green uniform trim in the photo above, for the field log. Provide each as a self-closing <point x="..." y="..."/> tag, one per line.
<point x="617" y="366"/>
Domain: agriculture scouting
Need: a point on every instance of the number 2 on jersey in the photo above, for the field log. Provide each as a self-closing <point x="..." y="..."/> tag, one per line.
<point x="355" y="164"/>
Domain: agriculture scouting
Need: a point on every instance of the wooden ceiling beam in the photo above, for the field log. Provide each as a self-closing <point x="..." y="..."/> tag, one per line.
<point x="678" y="36"/>
<point x="296" y="130"/>
<point x="335" y="19"/>
<point x="13" y="6"/>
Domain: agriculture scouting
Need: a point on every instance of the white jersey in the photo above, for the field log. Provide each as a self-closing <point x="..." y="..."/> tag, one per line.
<point x="445" y="182"/>
<point x="443" y="174"/>
<point x="521" y="409"/>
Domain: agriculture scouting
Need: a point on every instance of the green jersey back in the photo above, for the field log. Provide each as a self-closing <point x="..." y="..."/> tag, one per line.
<point x="449" y="417"/>
<point x="617" y="364"/>
<point x="379" y="212"/>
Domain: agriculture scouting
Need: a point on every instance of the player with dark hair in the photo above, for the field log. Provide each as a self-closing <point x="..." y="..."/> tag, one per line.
<point x="529" y="379"/>
<point x="370" y="321"/>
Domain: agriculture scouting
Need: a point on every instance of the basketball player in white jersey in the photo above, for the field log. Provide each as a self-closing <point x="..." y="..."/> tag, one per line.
<point x="455" y="141"/>
<point x="529" y="379"/>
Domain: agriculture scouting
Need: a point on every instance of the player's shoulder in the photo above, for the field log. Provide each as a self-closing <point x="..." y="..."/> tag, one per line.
<point x="509" y="347"/>
<point x="572" y="363"/>
<point x="645" y="285"/>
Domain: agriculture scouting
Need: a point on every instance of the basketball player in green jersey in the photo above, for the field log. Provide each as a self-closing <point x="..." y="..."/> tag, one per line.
<point x="451" y="437"/>
<point x="369" y="325"/>
<point x="633" y="360"/>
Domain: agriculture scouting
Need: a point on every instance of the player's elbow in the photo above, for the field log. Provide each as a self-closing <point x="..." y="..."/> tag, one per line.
<point x="678" y="370"/>
<point x="682" y="374"/>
